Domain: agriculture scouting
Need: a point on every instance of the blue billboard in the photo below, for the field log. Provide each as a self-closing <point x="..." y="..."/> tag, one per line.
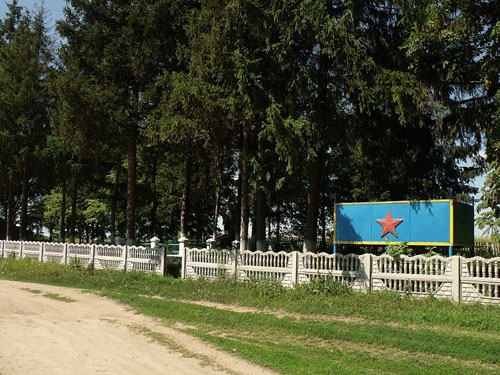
<point x="426" y="223"/>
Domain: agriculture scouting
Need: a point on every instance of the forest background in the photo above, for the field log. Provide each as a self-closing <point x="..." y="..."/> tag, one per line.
<point x="172" y="117"/>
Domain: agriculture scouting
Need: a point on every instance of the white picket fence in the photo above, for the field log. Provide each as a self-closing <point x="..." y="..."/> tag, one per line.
<point x="101" y="256"/>
<point x="457" y="278"/>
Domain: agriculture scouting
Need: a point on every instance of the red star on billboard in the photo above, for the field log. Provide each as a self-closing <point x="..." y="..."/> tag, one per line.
<point x="389" y="224"/>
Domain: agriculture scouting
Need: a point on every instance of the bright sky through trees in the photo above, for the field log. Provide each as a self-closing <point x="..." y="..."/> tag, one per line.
<point x="54" y="7"/>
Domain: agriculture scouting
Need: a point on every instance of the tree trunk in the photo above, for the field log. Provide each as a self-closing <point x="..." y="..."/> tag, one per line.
<point x="63" y="211"/>
<point x="131" y="186"/>
<point x="260" y="208"/>
<point x="218" y="183"/>
<point x="216" y="211"/>
<point x="11" y="211"/>
<point x="260" y="218"/>
<point x="278" y="223"/>
<point x="323" y="227"/>
<point x="154" y="203"/>
<point x="237" y="213"/>
<point x="313" y="200"/>
<point x="24" y="200"/>
<point x="244" y="172"/>
<point x="74" y="197"/>
<point x="186" y="192"/>
<point x="5" y="209"/>
<point x="269" y="223"/>
<point x="320" y="107"/>
<point x="114" y="201"/>
<point x="202" y="214"/>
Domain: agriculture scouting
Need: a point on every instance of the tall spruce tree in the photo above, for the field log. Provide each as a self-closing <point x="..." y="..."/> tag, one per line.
<point x="25" y="55"/>
<point x="120" y="48"/>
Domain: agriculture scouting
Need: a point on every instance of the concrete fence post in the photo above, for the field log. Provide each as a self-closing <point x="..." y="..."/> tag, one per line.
<point x="42" y="250"/>
<point x="295" y="267"/>
<point x="367" y="268"/>
<point x="65" y="254"/>
<point x="456" y="278"/>
<point x="235" y="254"/>
<point x="163" y="261"/>
<point x="155" y="241"/>
<point x="210" y="243"/>
<point x="184" y="254"/>
<point x="163" y="258"/>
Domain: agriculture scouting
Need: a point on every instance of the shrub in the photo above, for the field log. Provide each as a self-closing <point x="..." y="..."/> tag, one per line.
<point x="327" y="285"/>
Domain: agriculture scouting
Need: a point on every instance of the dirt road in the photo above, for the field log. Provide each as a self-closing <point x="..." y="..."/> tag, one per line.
<point x="42" y="334"/>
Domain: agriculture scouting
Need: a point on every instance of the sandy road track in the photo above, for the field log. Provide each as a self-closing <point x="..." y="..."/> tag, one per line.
<point x="95" y="335"/>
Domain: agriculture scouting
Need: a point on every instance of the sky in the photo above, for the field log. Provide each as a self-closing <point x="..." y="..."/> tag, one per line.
<point x="55" y="10"/>
<point x="54" y="7"/>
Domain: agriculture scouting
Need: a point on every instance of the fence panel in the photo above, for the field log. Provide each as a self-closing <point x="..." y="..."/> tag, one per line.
<point x="481" y="280"/>
<point x="12" y="248"/>
<point x="265" y="265"/>
<point x="209" y="263"/>
<point x="109" y="257"/>
<point x="53" y="252"/>
<point x="343" y="268"/>
<point x="417" y="275"/>
<point x="101" y="256"/>
<point x="81" y="253"/>
<point x="143" y="259"/>
<point x="32" y="250"/>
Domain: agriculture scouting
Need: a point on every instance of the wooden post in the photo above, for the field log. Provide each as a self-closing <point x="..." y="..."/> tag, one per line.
<point x="3" y="248"/>
<point x="456" y="278"/>
<point x="21" y="250"/>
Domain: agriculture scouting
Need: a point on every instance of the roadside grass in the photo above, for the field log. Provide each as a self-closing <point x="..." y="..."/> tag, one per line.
<point x="57" y="297"/>
<point x="34" y="291"/>
<point x="391" y="334"/>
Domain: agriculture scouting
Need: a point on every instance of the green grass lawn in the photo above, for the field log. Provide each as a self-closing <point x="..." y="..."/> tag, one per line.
<point x="320" y="328"/>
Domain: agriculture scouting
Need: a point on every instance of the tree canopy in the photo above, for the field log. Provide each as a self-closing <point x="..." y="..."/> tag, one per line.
<point x="173" y="117"/>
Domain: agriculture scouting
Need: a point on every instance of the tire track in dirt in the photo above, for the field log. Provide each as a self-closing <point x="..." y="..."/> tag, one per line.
<point x="94" y="335"/>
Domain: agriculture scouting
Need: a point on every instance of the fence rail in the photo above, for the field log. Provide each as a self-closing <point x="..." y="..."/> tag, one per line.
<point x="460" y="279"/>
